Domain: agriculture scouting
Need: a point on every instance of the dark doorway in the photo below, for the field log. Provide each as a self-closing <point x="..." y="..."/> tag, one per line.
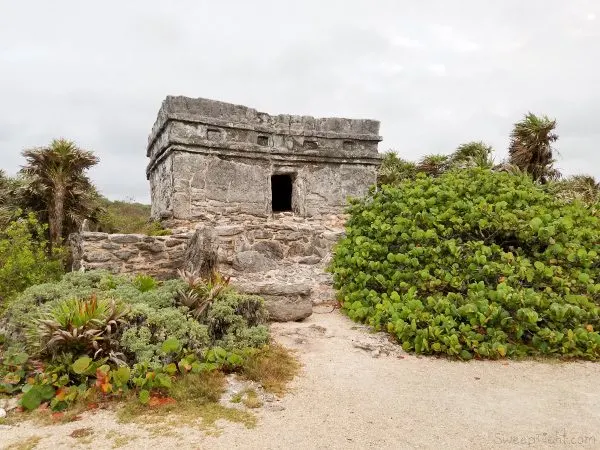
<point x="281" y="192"/>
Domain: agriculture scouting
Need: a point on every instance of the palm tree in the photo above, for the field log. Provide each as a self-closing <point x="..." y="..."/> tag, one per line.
<point x="581" y="187"/>
<point x="57" y="187"/>
<point x="472" y="154"/>
<point x="531" y="147"/>
<point x="434" y="165"/>
<point x="394" y="169"/>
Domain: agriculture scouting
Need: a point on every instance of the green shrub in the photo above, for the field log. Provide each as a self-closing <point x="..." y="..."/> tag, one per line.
<point x="128" y="217"/>
<point x="24" y="258"/>
<point x="96" y="334"/>
<point x="232" y="320"/>
<point x="37" y="300"/>
<point x="200" y="294"/>
<point x="149" y="327"/>
<point x="236" y="321"/>
<point x="473" y="264"/>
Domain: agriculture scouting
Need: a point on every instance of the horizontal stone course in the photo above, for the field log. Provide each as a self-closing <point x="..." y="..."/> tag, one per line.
<point x="159" y="256"/>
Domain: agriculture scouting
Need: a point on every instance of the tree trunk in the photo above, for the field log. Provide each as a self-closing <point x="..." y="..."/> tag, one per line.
<point x="56" y="215"/>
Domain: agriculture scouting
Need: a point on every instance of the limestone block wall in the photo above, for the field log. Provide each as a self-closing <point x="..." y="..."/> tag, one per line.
<point x="216" y="189"/>
<point x="159" y="256"/>
<point x="263" y="257"/>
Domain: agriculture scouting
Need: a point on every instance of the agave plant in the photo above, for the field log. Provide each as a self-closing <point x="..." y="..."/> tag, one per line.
<point x="200" y="293"/>
<point x="85" y="326"/>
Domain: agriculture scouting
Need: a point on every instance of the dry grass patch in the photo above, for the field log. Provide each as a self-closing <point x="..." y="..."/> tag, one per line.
<point x="251" y="399"/>
<point x="273" y="367"/>
<point x="26" y="444"/>
<point x="119" y="439"/>
<point x="83" y="436"/>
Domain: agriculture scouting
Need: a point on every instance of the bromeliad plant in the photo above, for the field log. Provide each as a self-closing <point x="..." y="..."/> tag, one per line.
<point x="199" y="293"/>
<point x="81" y="326"/>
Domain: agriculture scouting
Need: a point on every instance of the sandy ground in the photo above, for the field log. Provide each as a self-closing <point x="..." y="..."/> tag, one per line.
<point x="357" y="391"/>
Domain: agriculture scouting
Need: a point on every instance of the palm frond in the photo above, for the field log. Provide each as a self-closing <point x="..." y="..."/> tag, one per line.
<point x="531" y="147"/>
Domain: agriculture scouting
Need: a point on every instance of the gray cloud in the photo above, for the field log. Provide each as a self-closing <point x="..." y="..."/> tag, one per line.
<point x="436" y="75"/>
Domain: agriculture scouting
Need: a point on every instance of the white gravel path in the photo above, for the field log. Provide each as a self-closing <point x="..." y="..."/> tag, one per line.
<point x="357" y="391"/>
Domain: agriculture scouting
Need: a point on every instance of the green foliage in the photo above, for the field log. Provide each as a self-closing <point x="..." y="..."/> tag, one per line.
<point x="24" y="258"/>
<point x="35" y="395"/>
<point x="144" y="283"/>
<point x="79" y="326"/>
<point x="128" y="217"/>
<point x="9" y="202"/>
<point x="232" y="321"/>
<point x="474" y="264"/>
<point x="108" y="334"/>
<point x="236" y="321"/>
<point x="394" y="169"/>
<point x="14" y="367"/>
<point x="57" y="188"/>
<point x="199" y="293"/>
<point x="472" y="154"/>
<point x="577" y="187"/>
<point x="434" y="165"/>
<point x="149" y="328"/>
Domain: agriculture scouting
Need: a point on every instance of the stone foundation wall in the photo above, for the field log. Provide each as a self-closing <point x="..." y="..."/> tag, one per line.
<point x="283" y="260"/>
<point x="159" y="256"/>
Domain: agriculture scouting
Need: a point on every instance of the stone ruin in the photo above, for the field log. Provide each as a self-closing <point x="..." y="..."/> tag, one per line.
<point x="260" y="197"/>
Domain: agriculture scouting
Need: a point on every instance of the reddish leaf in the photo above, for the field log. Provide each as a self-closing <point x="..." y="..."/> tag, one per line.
<point x="61" y="394"/>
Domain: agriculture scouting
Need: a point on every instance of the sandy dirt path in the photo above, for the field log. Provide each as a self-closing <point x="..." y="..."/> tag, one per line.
<point x="357" y="391"/>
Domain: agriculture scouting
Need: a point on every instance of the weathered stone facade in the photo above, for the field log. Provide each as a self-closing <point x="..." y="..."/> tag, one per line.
<point x="261" y="196"/>
<point x="212" y="161"/>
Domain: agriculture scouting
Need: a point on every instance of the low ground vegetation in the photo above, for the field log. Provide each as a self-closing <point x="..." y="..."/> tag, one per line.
<point x="95" y="336"/>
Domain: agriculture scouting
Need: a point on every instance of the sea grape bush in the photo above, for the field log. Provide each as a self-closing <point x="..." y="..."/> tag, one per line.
<point x="473" y="264"/>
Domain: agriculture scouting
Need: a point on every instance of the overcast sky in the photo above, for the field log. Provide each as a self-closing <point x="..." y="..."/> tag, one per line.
<point x="435" y="73"/>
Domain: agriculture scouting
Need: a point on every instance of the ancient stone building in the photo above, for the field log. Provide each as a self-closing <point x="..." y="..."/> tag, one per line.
<point x="211" y="160"/>
<point x="264" y="194"/>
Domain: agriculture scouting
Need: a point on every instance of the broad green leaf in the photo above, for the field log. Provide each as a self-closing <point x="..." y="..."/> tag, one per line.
<point x="121" y="375"/>
<point x="536" y="223"/>
<point x="144" y="396"/>
<point x="81" y="364"/>
<point x="171" y="345"/>
<point x="31" y="399"/>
